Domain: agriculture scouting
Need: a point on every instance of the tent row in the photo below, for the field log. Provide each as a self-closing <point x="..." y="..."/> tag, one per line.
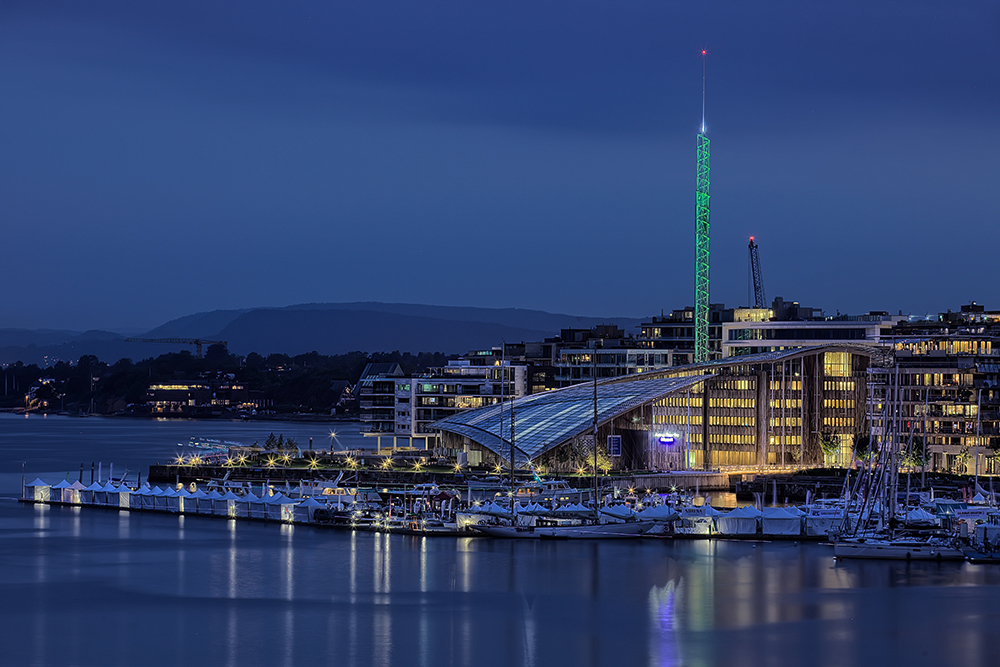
<point x="179" y="501"/>
<point x="748" y="521"/>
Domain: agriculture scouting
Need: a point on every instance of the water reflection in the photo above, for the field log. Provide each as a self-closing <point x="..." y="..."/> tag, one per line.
<point x="234" y="593"/>
<point x="664" y="649"/>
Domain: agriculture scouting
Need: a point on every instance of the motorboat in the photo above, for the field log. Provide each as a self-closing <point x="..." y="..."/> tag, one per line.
<point x="590" y="531"/>
<point x="901" y="548"/>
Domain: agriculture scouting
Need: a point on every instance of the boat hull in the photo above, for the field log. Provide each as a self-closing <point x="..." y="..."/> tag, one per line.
<point x="896" y="551"/>
<point x="605" y="531"/>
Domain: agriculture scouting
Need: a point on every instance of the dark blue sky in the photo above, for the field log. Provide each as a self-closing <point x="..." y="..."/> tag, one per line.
<point x="161" y="160"/>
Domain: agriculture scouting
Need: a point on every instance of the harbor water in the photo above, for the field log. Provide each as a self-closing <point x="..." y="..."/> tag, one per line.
<point x="95" y="586"/>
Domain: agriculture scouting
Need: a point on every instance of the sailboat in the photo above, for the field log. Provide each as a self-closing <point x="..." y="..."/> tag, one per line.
<point x="573" y="521"/>
<point x="873" y="525"/>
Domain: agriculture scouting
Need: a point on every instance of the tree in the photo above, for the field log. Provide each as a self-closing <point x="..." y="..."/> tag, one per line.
<point x="583" y="452"/>
<point x="271" y="444"/>
<point x="830" y="444"/>
<point x="862" y="445"/>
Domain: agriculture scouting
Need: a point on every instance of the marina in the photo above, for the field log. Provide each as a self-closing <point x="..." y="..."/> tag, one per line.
<point x="405" y="593"/>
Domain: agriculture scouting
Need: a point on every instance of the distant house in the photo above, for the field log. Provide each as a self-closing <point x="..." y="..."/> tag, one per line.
<point x="202" y="398"/>
<point x="344" y="399"/>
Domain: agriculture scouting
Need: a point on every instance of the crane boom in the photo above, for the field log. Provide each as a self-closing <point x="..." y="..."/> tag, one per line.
<point x="197" y="342"/>
<point x="759" y="301"/>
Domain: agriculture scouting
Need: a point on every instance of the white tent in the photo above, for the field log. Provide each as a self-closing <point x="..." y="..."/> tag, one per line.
<point x="149" y="497"/>
<point x="493" y="509"/>
<point x="574" y="511"/>
<point x="40" y="490"/>
<point x="920" y="515"/>
<point x="697" y="520"/>
<point x="88" y="493"/>
<point x="65" y="491"/>
<point x="230" y="499"/>
<point x="304" y="511"/>
<point x="740" y="521"/>
<point x="219" y="506"/>
<point x="74" y="492"/>
<point x="658" y="513"/>
<point x="823" y="521"/>
<point x="618" y="511"/>
<point x="117" y="496"/>
<point x="780" y="521"/>
<point x="200" y="503"/>
<point x="534" y="509"/>
<point x="255" y="507"/>
<point x="174" y="500"/>
<point x="138" y="498"/>
<point x="161" y="498"/>
<point x="280" y="507"/>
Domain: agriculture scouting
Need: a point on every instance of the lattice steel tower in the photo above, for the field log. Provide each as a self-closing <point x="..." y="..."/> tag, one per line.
<point x="701" y="263"/>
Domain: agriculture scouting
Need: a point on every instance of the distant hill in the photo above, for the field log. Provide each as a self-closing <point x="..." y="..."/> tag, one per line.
<point x="328" y="328"/>
<point x="199" y="325"/>
<point x="206" y="325"/>
<point x="336" y="331"/>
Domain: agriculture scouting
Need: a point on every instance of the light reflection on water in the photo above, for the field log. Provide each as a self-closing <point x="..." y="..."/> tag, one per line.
<point x="103" y="587"/>
<point x="234" y="593"/>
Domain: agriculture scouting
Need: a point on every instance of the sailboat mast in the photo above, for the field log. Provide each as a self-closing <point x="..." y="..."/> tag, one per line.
<point x="512" y="397"/>
<point x="594" y="359"/>
<point x="979" y="407"/>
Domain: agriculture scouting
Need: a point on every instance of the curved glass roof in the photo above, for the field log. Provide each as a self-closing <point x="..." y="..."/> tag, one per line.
<point x="543" y="421"/>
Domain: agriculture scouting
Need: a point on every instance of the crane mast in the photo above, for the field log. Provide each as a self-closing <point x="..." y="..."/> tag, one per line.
<point x="759" y="301"/>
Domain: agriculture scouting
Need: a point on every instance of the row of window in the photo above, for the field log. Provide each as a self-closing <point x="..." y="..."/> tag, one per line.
<point x="731" y="402"/>
<point x="728" y="420"/>
<point x="790" y="439"/>
<point x="790" y="385"/>
<point x="732" y="439"/>
<point x="838" y="385"/>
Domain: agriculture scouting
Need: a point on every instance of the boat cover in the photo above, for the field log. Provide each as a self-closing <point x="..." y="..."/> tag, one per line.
<point x="658" y="513"/>
<point x="780" y="521"/>
<point x="618" y="511"/>
<point x="740" y="521"/>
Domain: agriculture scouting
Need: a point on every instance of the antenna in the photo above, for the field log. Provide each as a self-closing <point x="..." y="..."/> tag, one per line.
<point x="704" y="58"/>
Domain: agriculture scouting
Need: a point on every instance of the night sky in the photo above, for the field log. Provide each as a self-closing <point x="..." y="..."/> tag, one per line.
<point x="158" y="159"/>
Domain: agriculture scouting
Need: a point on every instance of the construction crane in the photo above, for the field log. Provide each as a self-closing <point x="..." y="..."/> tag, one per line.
<point x="759" y="301"/>
<point x="197" y="342"/>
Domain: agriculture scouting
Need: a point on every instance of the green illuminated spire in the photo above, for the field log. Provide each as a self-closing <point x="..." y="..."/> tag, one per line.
<point x="701" y="299"/>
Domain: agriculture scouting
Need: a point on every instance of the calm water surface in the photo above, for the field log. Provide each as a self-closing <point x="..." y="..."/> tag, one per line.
<point x="104" y="587"/>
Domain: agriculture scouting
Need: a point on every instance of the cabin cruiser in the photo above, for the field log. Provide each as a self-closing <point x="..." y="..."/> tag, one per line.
<point x="898" y="548"/>
<point x="569" y="521"/>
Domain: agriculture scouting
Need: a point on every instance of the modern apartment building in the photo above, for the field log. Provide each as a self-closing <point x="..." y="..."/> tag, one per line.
<point x="397" y="408"/>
